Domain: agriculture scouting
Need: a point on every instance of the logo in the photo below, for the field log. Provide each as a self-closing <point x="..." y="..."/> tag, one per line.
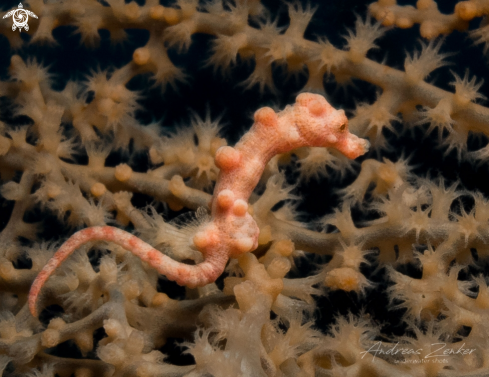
<point x="20" y="17"/>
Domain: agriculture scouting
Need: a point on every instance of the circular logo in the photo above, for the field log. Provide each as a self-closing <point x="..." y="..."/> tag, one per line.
<point x="21" y="17"/>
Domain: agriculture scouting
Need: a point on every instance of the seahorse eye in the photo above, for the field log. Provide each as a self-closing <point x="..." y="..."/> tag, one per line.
<point x="342" y="128"/>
